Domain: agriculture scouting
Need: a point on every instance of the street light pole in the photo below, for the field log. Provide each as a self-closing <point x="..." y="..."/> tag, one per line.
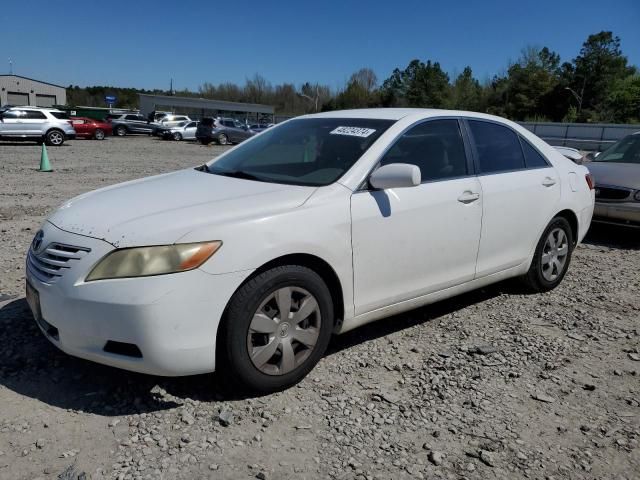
<point x="314" y="100"/>
<point x="578" y="97"/>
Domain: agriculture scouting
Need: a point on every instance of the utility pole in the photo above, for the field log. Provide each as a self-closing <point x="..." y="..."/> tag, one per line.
<point x="312" y="99"/>
<point x="10" y="67"/>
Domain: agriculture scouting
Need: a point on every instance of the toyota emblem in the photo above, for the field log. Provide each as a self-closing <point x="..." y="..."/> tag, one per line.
<point x="37" y="241"/>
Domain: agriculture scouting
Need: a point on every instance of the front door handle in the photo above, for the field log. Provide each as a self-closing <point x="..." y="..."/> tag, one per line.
<point x="548" y="182"/>
<point x="468" y="197"/>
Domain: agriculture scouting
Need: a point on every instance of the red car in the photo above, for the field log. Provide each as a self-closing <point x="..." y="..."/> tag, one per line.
<point x="90" y="128"/>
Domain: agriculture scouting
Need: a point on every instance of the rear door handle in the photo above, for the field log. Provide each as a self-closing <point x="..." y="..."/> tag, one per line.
<point x="548" y="182"/>
<point x="468" y="197"/>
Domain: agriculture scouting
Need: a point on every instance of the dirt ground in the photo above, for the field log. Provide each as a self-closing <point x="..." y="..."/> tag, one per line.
<point x="494" y="384"/>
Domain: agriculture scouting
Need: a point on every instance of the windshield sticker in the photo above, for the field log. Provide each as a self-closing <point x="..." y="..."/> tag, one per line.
<point x="353" y="131"/>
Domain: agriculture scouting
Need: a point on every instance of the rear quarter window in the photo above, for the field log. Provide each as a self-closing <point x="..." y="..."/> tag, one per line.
<point x="61" y="115"/>
<point x="532" y="158"/>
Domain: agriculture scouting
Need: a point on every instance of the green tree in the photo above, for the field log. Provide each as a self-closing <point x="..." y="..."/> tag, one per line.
<point x="418" y="85"/>
<point x="466" y="93"/>
<point x="622" y="104"/>
<point x="599" y="66"/>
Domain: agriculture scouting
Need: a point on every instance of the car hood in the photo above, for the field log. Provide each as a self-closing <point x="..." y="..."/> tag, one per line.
<point x="162" y="209"/>
<point x="615" y="174"/>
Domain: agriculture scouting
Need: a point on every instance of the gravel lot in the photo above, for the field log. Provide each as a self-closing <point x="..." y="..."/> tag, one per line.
<point x="493" y="384"/>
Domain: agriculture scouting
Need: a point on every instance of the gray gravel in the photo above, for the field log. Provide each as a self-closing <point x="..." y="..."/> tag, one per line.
<point x="494" y="384"/>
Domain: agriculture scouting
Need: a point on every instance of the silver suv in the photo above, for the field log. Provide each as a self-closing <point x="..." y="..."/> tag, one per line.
<point x="40" y="124"/>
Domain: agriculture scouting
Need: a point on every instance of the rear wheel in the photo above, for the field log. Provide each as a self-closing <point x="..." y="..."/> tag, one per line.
<point x="276" y="328"/>
<point x="552" y="256"/>
<point x="54" y="138"/>
<point x="121" y="131"/>
<point x="99" y="134"/>
<point x="223" y="139"/>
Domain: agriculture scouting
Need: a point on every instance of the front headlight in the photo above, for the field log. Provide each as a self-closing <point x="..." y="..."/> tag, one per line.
<point x="146" y="261"/>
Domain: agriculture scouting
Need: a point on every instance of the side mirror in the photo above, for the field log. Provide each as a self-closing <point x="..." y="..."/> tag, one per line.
<point x="589" y="157"/>
<point x="395" y="175"/>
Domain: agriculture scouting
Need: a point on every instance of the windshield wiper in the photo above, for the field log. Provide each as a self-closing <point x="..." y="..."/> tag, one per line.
<point x="237" y="174"/>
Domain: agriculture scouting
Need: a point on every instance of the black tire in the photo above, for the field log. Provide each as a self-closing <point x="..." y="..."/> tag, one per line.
<point x="535" y="279"/>
<point x="177" y="136"/>
<point x="223" y="139"/>
<point x="234" y="362"/>
<point x="99" y="134"/>
<point x="54" y="138"/>
<point x="121" y="130"/>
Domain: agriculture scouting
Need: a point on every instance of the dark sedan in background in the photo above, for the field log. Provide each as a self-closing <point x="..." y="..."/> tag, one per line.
<point x="222" y="131"/>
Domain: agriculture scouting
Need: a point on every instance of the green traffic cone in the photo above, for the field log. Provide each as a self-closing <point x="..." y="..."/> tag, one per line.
<point x="45" y="166"/>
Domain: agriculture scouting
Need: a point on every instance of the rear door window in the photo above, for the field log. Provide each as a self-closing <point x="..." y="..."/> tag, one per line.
<point x="497" y="146"/>
<point x="35" y="115"/>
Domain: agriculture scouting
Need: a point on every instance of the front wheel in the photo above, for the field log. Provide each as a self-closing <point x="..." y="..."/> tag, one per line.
<point x="276" y="328"/>
<point x="99" y="134"/>
<point x="223" y="139"/>
<point x="121" y="131"/>
<point x="177" y="136"/>
<point x="552" y="256"/>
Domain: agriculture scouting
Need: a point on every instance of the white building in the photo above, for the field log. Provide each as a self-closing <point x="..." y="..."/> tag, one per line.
<point x="17" y="90"/>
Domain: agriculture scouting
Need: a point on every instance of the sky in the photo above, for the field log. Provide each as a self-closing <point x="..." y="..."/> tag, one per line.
<point x="143" y="44"/>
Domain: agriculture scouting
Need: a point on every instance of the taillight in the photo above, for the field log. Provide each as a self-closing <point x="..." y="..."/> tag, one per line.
<point x="589" y="178"/>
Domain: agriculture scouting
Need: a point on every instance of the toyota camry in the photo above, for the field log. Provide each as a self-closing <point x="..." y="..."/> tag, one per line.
<point x="249" y="263"/>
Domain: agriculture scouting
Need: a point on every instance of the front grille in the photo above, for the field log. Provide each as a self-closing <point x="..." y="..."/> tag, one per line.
<point x="50" y="264"/>
<point x="613" y="193"/>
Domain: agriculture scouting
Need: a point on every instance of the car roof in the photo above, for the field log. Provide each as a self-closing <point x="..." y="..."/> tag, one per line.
<point x="399" y="113"/>
<point x="29" y="107"/>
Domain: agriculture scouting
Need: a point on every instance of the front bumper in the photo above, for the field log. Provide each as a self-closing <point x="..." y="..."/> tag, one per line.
<point x="172" y="319"/>
<point x="627" y="213"/>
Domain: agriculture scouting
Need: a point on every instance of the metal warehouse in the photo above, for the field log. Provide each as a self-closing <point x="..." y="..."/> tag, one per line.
<point x="17" y="90"/>
<point x="202" y="107"/>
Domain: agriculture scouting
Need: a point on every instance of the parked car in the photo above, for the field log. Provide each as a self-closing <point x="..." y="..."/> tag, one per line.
<point x="167" y="122"/>
<point x="616" y="172"/>
<point x="259" y="127"/>
<point x="129" y="123"/>
<point x="182" y="131"/>
<point x="323" y="223"/>
<point x="572" y="154"/>
<point x="222" y="131"/>
<point x="47" y="125"/>
<point x="91" y="128"/>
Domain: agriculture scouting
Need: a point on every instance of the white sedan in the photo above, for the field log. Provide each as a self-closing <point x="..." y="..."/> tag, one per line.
<point x="249" y="263"/>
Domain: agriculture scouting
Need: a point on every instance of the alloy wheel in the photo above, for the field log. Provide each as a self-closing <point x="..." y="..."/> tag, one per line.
<point x="284" y="330"/>
<point x="56" y="138"/>
<point x="554" y="254"/>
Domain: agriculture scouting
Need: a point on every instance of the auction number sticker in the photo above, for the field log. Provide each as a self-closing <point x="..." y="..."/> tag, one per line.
<point x="353" y="131"/>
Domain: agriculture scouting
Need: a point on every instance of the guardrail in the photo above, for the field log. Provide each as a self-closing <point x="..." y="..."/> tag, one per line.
<point x="583" y="136"/>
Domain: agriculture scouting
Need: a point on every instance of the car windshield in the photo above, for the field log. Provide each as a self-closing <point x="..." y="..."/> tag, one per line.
<point x="626" y="150"/>
<point x="311" y="152"/>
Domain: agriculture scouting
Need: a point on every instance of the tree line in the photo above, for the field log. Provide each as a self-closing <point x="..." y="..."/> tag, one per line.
<point x="598" y="85"/>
